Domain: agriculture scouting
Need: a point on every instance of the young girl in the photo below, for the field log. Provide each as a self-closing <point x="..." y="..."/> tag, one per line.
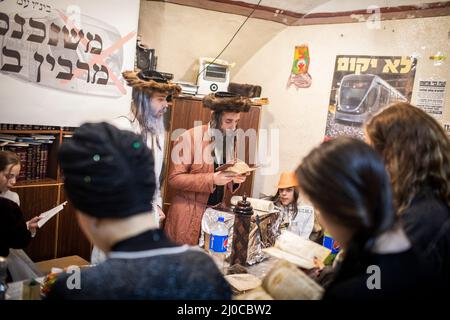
<point x="346" y="181"/>
<point x="295" y="217"/>
<point x="416" y="152"/>
<point x="14" y="231"/>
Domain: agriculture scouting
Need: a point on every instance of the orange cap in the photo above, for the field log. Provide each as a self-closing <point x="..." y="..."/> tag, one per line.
<point x="287" y="180"/>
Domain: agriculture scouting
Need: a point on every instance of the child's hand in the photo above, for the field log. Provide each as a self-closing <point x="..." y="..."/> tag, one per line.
<point x="318" y="266"/>
<point x="32" y="223"/>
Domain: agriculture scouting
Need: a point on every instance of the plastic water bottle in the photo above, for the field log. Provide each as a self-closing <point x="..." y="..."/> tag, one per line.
<point x="218" y="242"/>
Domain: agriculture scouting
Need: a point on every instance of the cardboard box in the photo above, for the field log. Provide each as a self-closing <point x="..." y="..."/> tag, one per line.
<point x="46" y="266"/>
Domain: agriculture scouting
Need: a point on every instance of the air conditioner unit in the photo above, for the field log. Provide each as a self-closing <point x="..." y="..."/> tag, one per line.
<point x="213" y="77"/>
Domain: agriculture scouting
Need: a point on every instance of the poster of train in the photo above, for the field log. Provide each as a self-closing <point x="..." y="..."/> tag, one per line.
<point x="364" y="85"/>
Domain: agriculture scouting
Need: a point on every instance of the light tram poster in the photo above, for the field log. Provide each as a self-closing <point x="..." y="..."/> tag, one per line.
<point x="363" y="85"/>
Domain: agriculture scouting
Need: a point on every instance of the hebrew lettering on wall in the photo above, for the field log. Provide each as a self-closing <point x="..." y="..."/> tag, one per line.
<point x="43" y="45"/>
<point x="35" y="5"/>
<point x="364" y="85"/>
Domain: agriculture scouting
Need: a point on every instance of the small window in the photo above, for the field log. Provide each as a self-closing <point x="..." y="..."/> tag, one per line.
<point x="371" y="98"/>
<point x="384" y="96"/>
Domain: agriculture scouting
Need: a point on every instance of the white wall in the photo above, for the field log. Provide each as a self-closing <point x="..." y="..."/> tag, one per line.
<point x="182" y="34"/>
<point x="263" y="53"/>
<point x="50" y="102"/>
<point x="301" y="114"/>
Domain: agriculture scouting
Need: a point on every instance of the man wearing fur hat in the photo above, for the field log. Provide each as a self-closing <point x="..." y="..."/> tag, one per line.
<point x="193" y="172"/>
<point x="149" y="103"/>
<point x="150" y="94"/>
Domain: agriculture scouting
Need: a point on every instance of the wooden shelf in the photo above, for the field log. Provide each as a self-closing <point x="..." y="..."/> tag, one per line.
<point x="37" y="182"/>
<point x="189" y="97"/>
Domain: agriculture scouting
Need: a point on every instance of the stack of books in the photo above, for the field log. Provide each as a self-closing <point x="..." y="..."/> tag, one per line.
<point x="12" y="126"/>
<point x="32" y="151"/>
<point x="188" y="88"/>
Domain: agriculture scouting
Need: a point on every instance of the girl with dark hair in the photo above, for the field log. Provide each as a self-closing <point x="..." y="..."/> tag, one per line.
<point x="347" y="183"/>
<point x="416" y="152"/>
<point x="286" y="200"/>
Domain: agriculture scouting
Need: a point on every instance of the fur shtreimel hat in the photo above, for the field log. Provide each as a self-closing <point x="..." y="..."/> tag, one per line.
<point x="151" y="81"/>
<point x="227" y="102"/>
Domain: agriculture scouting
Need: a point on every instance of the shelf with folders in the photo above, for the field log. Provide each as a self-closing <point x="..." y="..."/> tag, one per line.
<point x="37" y="148"/>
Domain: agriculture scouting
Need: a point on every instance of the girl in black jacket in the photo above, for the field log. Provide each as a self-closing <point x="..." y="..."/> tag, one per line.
<point x="13" y="228"/>
<point x="347" y="183"/>
<point x="416" y="152"/>
<point x="14" y="231"/>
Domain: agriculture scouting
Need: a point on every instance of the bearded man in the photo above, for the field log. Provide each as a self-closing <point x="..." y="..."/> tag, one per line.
<point x="196" y="155"/>
<point x="151" y="93"/>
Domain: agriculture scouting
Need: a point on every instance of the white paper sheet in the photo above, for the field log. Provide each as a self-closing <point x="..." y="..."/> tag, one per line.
<point x="47" y="215"/>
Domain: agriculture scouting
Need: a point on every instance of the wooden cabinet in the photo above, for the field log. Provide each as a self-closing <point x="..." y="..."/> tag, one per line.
<point x="60" y="236"/>
<point x="71" y="240"/>
<point x="185" y="113"/>
<point x="33" y="201"/>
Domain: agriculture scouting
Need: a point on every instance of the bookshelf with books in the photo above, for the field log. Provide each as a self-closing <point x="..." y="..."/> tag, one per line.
<point x="40" y="187"/>
<point x="37" y="148"/>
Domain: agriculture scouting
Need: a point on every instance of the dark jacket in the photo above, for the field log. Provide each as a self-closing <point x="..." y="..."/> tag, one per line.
<point x="13" y="229"/>
<point x="402" y="275"/>
<point x="427" y="224"/>
<point x="181" y="273"/>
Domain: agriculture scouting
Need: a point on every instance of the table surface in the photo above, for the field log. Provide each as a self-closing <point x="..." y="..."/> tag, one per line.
<point x="15" y="289"/>
<point x="262" y="268"/>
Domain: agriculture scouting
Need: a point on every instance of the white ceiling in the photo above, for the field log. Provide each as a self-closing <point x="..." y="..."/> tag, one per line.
<point x="316" y="6"/>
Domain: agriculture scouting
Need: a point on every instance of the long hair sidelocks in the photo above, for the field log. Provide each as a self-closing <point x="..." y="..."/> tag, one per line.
<point x="216" y="123"/>
<point x="416" y="151"/>
<point x="142" y="112"/>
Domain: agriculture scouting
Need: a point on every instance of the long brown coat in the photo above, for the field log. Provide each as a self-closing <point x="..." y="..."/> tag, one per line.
<point x="194" y="182"/>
